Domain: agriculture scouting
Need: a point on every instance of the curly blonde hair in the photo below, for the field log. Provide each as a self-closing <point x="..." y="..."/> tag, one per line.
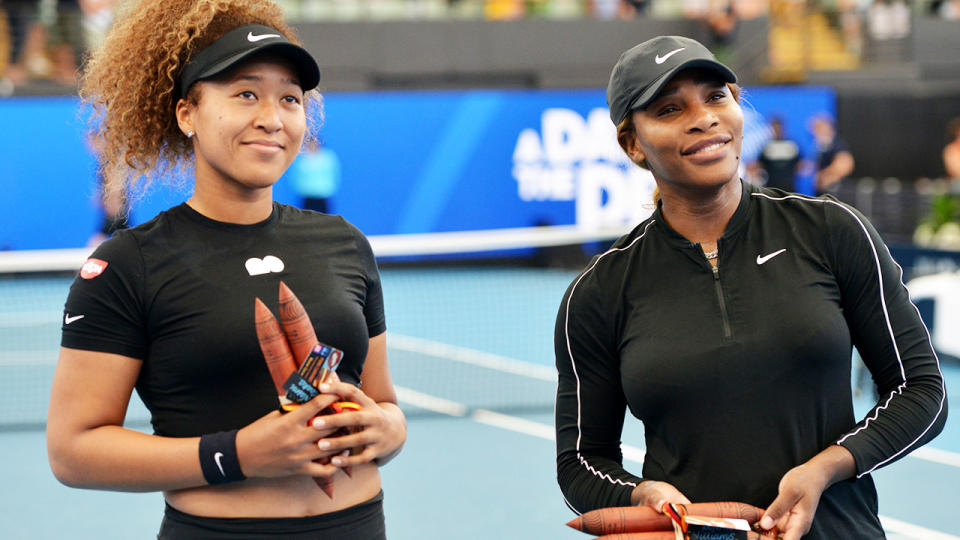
<point x="130" y="81"/>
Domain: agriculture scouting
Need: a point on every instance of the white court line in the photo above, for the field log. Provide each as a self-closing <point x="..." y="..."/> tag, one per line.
<point x="936" y="455"/>
<point x="913" y="531"/>
<point x="431" y="403"/>
<point x="543" y="431"/>
<point x="631" y="453"/>
<point x="517" y="367"/>
<point x="512" y="423"/>
<point x="471" y="356"/>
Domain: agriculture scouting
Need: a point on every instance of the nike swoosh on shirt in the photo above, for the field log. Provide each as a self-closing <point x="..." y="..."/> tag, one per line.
<point x="216" y="457"/>
<point x="765" y="258"/>
<point x="661" y="59"/>
<point x="252" y="38"/>
<point x="67" y="319"/>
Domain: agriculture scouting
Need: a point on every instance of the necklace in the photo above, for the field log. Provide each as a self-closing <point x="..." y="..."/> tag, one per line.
<point x="710" y="255"/>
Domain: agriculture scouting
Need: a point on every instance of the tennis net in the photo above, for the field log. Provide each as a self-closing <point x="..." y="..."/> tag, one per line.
<point x="470" y="319"/>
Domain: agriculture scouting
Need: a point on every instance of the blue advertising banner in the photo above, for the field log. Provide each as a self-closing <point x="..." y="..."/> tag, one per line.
<point x="393" y="162"/>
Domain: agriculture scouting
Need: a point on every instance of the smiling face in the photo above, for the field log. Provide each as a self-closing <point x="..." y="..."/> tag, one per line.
<point x="248" y="125"/>
<point x="690" y="135"/>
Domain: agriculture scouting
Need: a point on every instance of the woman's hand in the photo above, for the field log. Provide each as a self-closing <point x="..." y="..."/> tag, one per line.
<point x="796" y="504"/>
<point x="654" y="494"/>
<point x="801" y="488"/>
<point x="279" y="445"/>
<point x="379" y="428"/>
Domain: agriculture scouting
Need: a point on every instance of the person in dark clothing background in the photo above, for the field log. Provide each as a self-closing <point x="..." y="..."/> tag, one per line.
<point x="779" y="159"/>
<point x="725" y="323"/>
<point x="834" y="160"/>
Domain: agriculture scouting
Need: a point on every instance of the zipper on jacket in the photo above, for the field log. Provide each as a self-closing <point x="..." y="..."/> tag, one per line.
<point x="723" y="305"/>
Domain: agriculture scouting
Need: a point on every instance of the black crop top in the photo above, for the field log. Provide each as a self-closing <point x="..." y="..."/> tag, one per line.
<point x="178" y="293"/>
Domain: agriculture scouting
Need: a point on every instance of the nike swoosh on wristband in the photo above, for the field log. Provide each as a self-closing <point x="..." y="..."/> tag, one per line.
<point x="252" y="38"/>
<point x="661" y="59"/>
<point x="765" y="258"/>
<point x="216" y="457"/>
<point x="67" y="319"/>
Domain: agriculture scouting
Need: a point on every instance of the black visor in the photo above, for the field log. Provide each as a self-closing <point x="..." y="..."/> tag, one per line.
<point x="241" y="43"/>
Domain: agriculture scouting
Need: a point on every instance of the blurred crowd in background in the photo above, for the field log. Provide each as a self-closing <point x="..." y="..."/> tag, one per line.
<point x="43" y="44"/>
<point x="44" y="40"/>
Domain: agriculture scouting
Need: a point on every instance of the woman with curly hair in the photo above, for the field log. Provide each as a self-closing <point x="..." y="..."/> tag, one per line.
<point x="219" y="88"/>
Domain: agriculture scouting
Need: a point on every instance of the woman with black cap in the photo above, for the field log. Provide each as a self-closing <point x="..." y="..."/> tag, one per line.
<point x="222" y="88"/>
<point x="726" y="321"/>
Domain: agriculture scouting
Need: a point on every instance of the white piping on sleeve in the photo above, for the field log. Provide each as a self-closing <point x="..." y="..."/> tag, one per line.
<point x="943" y="389"/>
<point x="573" y="365"/>
<point x="896" y="349"/>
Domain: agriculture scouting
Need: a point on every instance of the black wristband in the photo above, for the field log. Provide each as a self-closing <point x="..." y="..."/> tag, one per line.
<point x="218" y="458"/>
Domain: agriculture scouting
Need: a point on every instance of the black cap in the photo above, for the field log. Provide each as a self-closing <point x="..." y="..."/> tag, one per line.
<point x="238" y="45"/>
<point x="642" y="71"/>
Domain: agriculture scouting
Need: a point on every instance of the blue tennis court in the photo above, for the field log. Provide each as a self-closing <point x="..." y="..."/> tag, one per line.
<point x="471" y="354"/>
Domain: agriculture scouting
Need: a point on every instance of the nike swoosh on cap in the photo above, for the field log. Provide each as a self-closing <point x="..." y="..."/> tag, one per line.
<point x="661" y="59"/>
<point x="254" y="38"/>
<point x="67" y="319"/>
<point x="765" y="258"/>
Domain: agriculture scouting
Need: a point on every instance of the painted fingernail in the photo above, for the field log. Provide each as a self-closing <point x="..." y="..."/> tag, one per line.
<point x="318" y="422"/>
<point x="766" y="522"/>
<point x="323" y="444"/>
<point x="336" y="461"/>
<point x="324" y="388"/>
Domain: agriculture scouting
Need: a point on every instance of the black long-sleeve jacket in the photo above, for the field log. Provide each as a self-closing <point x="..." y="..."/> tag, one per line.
<point x="742" y="372"/>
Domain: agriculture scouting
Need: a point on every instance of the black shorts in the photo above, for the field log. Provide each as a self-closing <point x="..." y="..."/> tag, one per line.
<point x="361" y="522"/>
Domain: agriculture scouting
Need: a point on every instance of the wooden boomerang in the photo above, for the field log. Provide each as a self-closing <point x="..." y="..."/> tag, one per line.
<point x="280" y="358"/>
<point x="286" y="348"/>
<point x="302" y="337"/>
<point x="669" y="535"/>
<point x="638" y="519"/>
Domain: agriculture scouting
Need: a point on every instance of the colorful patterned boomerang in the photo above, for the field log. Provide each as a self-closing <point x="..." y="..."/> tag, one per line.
<point x="627" y="521"/>
<point x="281" y="346"/>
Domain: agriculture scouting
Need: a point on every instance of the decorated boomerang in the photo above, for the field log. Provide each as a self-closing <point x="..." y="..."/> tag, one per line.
<point x="626" y="520"/>
<point x="303" y="339"/>
<point x="280" y="348"/>
<point x="671" y="535"/>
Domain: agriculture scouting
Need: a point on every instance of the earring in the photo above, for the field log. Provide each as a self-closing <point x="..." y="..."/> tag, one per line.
<point x="189" y="134"/>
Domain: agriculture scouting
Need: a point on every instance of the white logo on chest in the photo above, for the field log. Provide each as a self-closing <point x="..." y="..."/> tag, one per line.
<point x="256" y="267"/>
<point x="764" y="258"/>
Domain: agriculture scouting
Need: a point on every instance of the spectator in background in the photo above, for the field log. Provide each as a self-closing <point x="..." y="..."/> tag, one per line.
<point x="316" y="176"/>
<point x="629" y="9"/>
<point x="850" y="13"/>
<point x="45" y="40"/>
<point x="21" y="18"/>
<point x="721" y="21"/>
<point x="889" y="19"/>
<point x="834" y="160"/>
<point x="951" y="152"/>
<point x="111" y="199"/>
<point x="65" y="47"/>
<point x="778" y="161"/>
<point x="113" y="203"/>
<point x="96" y="20"/>
<point x="948" y="9"/>
<point x="5" y="85"/>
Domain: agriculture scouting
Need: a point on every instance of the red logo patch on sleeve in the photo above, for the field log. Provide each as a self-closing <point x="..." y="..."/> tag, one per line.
<point x="92" y="268"/>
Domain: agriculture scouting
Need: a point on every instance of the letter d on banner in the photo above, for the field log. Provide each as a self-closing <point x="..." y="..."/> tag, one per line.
<point x="609" y="196"/>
